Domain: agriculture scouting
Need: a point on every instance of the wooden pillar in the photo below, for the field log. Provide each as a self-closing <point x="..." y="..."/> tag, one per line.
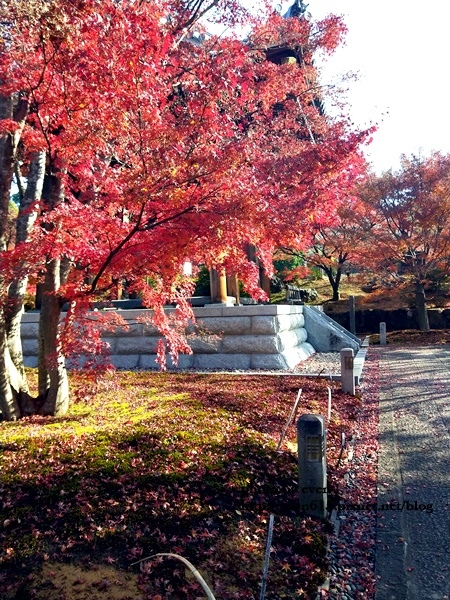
<point x="233" y="287"/>
<point x="218" y="283"/>
<point x="222" y="287"/>
<point x="264" y="282"/>
<point x="251" y="253"/>
<point x="119" y="289"/>
<point x="39" y="294"/>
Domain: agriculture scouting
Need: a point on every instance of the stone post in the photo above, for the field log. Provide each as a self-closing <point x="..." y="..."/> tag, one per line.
<point x="382" y="334"/>
<point x="312" y="468"/>
<point x="329" y="404"/>
<point x="347" y="371"/>
<point x="351" y="301"/>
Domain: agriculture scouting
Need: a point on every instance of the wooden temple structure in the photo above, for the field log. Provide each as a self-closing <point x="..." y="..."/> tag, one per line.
<point x="223" y="285"/>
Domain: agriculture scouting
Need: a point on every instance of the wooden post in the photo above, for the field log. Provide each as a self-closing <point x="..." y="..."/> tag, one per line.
<point x="233" y="287"/>
<point x="218" y="283"/>
<point x="265" y="282"/>
<point x="222" y="288"/>
<point x="352" y="314"/>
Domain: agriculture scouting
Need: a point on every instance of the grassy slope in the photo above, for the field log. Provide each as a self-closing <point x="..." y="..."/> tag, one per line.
<point x="400" y="297"/>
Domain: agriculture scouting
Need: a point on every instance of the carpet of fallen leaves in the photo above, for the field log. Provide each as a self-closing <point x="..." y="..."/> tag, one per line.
<point x="414" y="337"/>
<point x="181" y="463"/>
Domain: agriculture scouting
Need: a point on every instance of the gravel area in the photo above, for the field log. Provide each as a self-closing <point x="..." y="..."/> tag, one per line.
<point x="323" y="363"/>
<point x="352" y="548"/>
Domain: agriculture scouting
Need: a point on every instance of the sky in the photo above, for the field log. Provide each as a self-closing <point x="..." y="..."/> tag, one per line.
<point x="399" y="50"/>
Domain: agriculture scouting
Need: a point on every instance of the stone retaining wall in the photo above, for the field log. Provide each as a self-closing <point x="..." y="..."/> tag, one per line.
<point x="235" y="338"/>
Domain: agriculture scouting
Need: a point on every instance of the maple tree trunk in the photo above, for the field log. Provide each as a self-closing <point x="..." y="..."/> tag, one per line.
<point x="6" y="168"/>
<point x="421" y="303"/>
<point x="52" y="373"/>
<point x="335" y="286"/>
<point x="13" y="322"/>
<point x="17" y="289"/>
<point x="334" y="281"/>
<point x="9" y="380"/>
<point x="16" y="110"/>
<point x="14" y="398"/>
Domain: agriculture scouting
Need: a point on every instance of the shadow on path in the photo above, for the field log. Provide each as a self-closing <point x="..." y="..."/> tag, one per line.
<point x="413" y="527"/>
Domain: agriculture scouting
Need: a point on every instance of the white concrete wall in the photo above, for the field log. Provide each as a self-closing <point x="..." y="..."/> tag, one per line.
<point x="240" y="337"/>
<point x="325" y="334"/>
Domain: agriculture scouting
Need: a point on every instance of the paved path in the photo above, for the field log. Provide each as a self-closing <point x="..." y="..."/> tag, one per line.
<point x="413" y="549"/>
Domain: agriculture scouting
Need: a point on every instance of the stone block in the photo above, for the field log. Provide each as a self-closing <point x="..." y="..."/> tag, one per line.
<point x="300" y="321"/>
<point x="264" y="325"/>
<point x="111" y="343"/>
<point x="136" y="345"/>
<point x="134" y="329"/>
<point x="225" y="325"/>
<point x="205" y="344"/>
<point x="296" y="355"/>
<point x="30" y="347"/>
<point x="286" y="322"/>
<point x="149" y="329"/>
<point x="29" y="330"/>
<point x="185" y="361"/>
<point x="302" y="335"/>
<point x="250" y="344"/>
<point x="213" y="311"/>
<point x="239" y="362"/>
<point x="288" y="309"/>
<point x="242" y="311"/>
<point x="76" y="363"/>
<point x="148" y="362"/>
<point x="136" y="313"/>
<point x="250" y="310"/>
<point x="125" y="362"/>
<point x="237" y="338"/>
<point x="30" y="317"/>
<point x="30" y="361"/>
<point x="286" y="340"/>
<point x="270" y="362"/>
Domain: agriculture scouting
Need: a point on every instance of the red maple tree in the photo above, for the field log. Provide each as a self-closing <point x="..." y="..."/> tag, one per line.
<point x="142" y="147"/>
<point x="410" y="230"/>
<point x="336" y="247"/>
